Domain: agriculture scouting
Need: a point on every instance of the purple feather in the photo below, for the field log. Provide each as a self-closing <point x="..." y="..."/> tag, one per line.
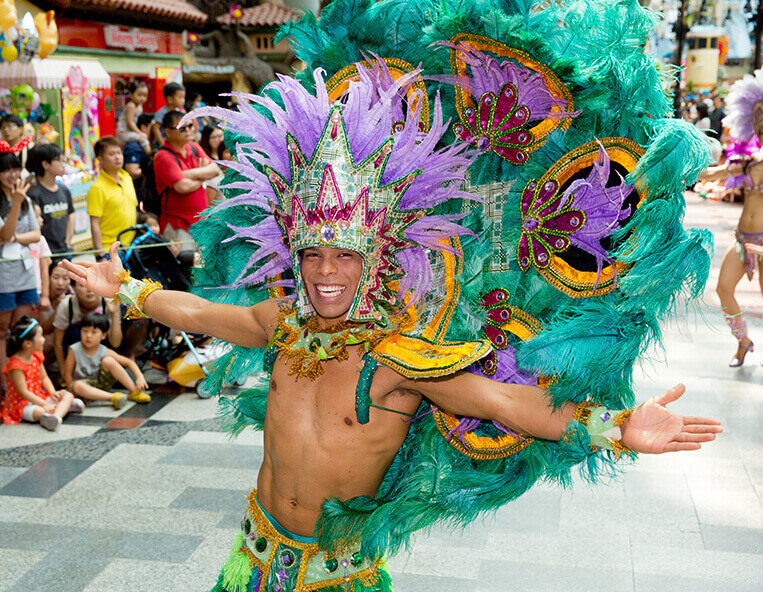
<point x="372" y="104"/>
<point x="602" y="205"/>
<point x="488" y="74"/>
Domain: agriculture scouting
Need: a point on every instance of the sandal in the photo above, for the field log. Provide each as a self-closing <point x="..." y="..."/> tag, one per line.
<point x="737" y="362"/>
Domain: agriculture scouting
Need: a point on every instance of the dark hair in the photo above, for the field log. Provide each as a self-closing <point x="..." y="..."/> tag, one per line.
<point x="135" y="85"/>
<point x="702" y="110"/>
<point x="9" y="161"/>
<point x="105" y="142"/>
<point x="205" y="135"/>
<point x="15" y="340"/>
<point x="171" y="88"/>
<point x="54" y="264"/>
<point x="144" y="119"/>
<point x="42" y="153"/>
<point x="171" y="118"/>
<point x="97" y="320"/>
<point x="11" y="118"/>
<point x="144" y="217"/>
<point x="190" y="98"/>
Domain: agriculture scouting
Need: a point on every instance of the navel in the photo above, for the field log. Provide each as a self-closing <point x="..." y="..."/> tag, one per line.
<point x="293" y="502"/>
<point x="348" y="421"/>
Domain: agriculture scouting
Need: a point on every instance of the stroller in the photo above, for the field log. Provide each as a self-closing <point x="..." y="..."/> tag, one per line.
<point x="148" y="257"/>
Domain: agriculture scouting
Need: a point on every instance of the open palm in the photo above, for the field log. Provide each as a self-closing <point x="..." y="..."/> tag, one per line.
<point x="97" y="277"/>
<point x="653" y="429"/>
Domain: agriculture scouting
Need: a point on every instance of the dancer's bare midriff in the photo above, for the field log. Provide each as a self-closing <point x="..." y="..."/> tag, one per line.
<point x="315" y="449"/>
<point x="751" y="220"/>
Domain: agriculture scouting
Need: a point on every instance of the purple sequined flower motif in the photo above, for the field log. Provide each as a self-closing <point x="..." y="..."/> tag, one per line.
<point x="498" y="124"/>
<point x="548" y="220"/>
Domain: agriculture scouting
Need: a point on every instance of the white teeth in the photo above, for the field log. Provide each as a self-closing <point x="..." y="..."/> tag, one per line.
<point x="330" y="291"/>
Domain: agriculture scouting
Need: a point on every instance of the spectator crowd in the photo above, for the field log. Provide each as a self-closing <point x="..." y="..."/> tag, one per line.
<point x="62" y="346"/>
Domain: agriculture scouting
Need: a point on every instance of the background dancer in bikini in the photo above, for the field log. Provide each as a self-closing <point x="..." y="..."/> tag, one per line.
<point x="745" y="120"/>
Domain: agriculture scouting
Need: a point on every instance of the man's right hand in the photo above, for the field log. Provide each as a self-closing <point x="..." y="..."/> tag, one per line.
<point x="100" y="278"/>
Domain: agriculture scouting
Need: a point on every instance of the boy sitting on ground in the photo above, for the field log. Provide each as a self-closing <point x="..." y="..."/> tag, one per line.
<point x="91" y="368"/>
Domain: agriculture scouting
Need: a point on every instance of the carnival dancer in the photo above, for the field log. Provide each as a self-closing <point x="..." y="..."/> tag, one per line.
<point x="745" y="122"/>
<point x="338" y="203"/>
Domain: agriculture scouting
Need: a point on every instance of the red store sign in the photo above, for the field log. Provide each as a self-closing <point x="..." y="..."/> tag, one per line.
<point x="130" y="39"/>
<point x="76" y="33"/>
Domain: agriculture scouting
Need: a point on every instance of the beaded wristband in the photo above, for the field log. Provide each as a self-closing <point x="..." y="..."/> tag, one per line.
<point x="133" y="293"/>
<point x="603" y="426"/>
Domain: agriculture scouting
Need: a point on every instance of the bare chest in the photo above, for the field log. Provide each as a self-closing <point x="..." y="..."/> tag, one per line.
<point x="323" y="409"/>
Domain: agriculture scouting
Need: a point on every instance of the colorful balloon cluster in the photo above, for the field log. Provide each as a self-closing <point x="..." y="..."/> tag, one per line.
<point x="23" y="101"/>
<point x="31" y="37"/>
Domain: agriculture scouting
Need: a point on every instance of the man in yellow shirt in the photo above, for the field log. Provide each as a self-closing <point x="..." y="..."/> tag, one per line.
<point x="111" y="201"/>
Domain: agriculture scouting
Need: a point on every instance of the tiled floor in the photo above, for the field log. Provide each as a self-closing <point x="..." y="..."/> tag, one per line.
<point x="154" y="504"/>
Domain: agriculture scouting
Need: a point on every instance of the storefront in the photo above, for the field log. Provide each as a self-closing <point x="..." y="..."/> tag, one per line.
<point x="128" y="55"/>
<point x="74" y="88"/>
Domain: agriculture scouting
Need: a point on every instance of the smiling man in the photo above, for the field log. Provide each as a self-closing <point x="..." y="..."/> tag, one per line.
<point x="357" y="356"/>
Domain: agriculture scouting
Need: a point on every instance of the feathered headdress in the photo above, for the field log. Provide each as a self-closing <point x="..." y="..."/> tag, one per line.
<point x="352" y="175"/>
<point x="745" y="107"/>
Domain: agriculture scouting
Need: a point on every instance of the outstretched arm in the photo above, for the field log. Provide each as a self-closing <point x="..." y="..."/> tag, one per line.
<point x="240" y="325"/>
<point x="651" y="428"/>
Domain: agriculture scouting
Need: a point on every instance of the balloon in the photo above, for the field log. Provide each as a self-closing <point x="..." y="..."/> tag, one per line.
<point x="27" y="46"/>
<point x="22" y="96"/>
<point x="47" y="31"/>
<point x="27" y="26"/>
<point x="5" y="100"/>
<point x="8" y="15"/>
<point x="35" y="100"/>
<point x="9" y="53"/>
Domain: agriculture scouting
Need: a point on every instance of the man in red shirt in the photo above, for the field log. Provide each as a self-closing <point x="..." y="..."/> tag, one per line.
<point x="181" y="167"/>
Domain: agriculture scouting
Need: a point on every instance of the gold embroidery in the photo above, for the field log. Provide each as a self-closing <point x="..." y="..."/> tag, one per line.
<point x="307" y="344"/>
<point x="310" y="552"/>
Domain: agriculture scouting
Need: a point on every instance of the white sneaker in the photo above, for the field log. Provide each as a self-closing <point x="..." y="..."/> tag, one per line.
<point x="77" y="406"/>
<point x="50" y="421"/>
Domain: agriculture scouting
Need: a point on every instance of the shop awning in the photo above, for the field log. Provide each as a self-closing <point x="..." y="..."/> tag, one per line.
<point x="51" y="73"/>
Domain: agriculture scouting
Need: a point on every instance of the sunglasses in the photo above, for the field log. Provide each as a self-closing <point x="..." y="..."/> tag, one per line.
<point x="186" y="128"/>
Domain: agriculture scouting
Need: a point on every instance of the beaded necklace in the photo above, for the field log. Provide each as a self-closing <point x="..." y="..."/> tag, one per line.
<point x="306" y="344"/>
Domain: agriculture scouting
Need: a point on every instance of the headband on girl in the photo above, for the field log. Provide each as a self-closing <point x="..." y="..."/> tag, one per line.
<point x="32" y="325"/>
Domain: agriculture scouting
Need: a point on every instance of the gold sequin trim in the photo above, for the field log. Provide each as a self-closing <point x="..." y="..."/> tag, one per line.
<point x="124" y="277"/>
<point x="136" y="312"/>
<point x="583" y="411"/>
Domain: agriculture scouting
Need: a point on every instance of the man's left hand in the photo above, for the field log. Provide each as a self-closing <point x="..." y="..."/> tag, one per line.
<point x="653" y="429"/>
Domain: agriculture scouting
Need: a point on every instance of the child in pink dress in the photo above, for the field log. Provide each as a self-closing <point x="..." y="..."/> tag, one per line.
<point x="30" y="394"/>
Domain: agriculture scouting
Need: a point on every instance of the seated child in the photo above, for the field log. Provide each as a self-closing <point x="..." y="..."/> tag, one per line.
<point x="69" y="314"/>
<point x="91" y="368"/>
<point x="31" y="395"/>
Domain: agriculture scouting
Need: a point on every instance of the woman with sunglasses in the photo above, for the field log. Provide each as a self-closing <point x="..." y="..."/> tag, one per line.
<point x="181" y="169"/>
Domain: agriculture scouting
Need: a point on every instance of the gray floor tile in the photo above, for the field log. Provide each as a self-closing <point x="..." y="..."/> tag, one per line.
<point x="147" y="546"/>
<point x="46" y="477"/>
<point x="665" y="583"/>
<point x="150" y="546"/>
<point x="214" y="455"/>
<point x="212" y="500"/>
<point x="730" y="538"/>
<point x="66" y="570"/>
<point x="8" y="474"/>
<point x="48" y="538"/>
<point x="499" y="576"/>
<point x="231" y="520"/>
<point x="413" y="583"/>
